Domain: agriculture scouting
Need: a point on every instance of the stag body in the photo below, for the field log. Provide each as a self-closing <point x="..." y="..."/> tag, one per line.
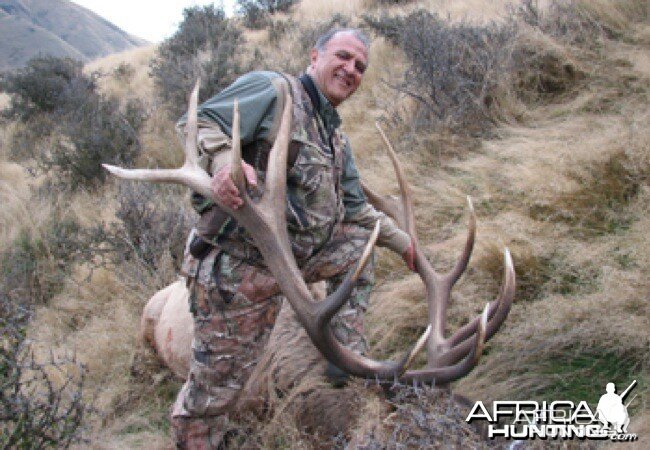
<point x="340" y="69"/>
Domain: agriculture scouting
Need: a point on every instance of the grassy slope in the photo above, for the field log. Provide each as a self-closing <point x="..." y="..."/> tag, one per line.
<point x="581" y="321"/>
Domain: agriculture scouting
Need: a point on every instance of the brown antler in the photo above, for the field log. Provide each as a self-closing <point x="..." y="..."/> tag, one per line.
<point x="452" y="358"/>
<point x="265" y="220"/>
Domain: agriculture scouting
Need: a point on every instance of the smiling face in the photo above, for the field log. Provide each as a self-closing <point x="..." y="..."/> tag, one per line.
<point x="338" y="69"/>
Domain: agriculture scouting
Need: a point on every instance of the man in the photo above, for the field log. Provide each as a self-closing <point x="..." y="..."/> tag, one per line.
<point x="236" y="299"/>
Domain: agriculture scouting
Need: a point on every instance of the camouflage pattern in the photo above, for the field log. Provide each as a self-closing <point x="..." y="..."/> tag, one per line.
<point x="235" y="299"/>
<point x="314" y="194"/>
<point x="234" y="314"/>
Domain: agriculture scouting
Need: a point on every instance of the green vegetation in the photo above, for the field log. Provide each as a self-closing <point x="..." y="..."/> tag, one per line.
<point x="257" y="13"/>
<point x="204" y="47"/>
<point x="69" y="127"/>
<point x="583" y="376"/>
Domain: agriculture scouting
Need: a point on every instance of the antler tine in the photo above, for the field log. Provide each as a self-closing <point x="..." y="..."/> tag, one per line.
<point x="189" y="174"/>
<point x="455" y="273"/>
<point x="276" y="171"/>
<point x="327" y="308"/>
<point x="236" y="171"/>
<point x="499" y="308"/>
<point x="407" y="212"/>
<point x="497" y="311"/>
<point x="448" y="373"/>
<point x="192" y="128"/>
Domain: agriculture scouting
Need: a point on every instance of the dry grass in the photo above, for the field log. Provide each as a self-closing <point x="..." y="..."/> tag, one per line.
<point x="136" y="84"/>
<point x="16" y="213"/>
<point x="308" y="11"/>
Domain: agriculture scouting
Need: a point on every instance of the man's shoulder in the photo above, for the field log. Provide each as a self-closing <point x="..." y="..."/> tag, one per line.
<point x="257" y="88"/>
<point x="259" y="79"/>
<point x="258" y="76"/>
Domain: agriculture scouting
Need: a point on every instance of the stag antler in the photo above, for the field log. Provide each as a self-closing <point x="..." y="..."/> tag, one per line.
<point x="452" y="358"/>
<point x="265" y="219"/>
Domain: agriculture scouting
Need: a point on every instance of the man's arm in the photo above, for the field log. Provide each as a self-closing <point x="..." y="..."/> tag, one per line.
<point x="257" y="94"/>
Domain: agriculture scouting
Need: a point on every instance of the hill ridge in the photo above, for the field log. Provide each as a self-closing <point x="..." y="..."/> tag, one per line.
<point x="59" y="28"/>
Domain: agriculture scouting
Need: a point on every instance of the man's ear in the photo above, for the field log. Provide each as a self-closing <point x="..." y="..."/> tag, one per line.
<point x="313" y="55"/>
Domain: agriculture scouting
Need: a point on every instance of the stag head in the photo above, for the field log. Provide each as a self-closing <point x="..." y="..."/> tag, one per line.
<point x="447" y="358"/>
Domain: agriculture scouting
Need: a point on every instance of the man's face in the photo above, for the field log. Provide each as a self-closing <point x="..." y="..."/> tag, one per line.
<point x="338" y="69"/>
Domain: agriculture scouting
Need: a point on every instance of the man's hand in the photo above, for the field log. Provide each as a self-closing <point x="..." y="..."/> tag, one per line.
<point x="409" y="256"/>
<point x="225" y="191"/>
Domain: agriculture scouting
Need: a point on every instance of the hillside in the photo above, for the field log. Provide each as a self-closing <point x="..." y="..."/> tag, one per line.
<point x="553" y="148"/>
<point x="59" y="28"/>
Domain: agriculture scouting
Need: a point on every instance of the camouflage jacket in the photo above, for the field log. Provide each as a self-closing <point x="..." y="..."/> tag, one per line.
<point x="323" y="186"/>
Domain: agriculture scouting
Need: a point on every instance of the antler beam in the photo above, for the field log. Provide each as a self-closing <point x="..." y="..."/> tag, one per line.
<point x="451" y="358"/>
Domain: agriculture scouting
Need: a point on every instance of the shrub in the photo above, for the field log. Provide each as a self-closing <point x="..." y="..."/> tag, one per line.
<point x="36" y="267"/>
<point x="99" y="131"/>
<point x="298" y="41"/>
<point x="47" y="84"/>
<point x="68" y="126"/>
<point x="124" y="72"/>
<point x="152" y="221"/>
<point x="41" y="403"/>
<point x="31" y="137"/>
<point x="253" y="14"/>
<point x="256" y="13"/>
<point x="455" y="71"/>
<point x="205" y="47"/>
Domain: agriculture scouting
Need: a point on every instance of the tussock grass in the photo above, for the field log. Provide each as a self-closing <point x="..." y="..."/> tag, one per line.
<point x="16" y="211"/>
<point x="539" y="275"/>
<point x="126" y="74"/>
<point x="604" y="188"/>
<point x="310" y="11"/>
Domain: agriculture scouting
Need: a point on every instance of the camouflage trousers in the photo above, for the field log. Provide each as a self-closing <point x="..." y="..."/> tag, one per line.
<point x="233" y="318"/>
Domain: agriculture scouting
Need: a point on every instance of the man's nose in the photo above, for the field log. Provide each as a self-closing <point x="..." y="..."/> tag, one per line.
<point x="351" y="68"/>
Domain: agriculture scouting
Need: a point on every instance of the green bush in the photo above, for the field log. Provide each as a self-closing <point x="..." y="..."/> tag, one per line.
<point x="36" y="267"/>
<point x="205" y="46"/>
<point x="98" y="131"/>
<point x="455" y="71"/>
<point x="47" y="85"/>
<point x="256" y="13"/>
<point x="153" y="221"/>
<point x="68" y="126"/>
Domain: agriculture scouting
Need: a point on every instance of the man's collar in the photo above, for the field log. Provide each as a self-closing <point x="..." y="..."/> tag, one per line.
<point x="323" y="107"/>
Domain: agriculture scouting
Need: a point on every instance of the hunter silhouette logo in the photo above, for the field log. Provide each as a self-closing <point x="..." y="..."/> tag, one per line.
<point x="559" y="419"/>
<point x="611" y="411"/>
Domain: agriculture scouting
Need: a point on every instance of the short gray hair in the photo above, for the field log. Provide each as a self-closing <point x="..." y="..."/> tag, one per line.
<point x="322" y="41"/>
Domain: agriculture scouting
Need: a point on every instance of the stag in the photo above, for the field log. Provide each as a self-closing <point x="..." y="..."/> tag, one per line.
<point x="447" y="358"/>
